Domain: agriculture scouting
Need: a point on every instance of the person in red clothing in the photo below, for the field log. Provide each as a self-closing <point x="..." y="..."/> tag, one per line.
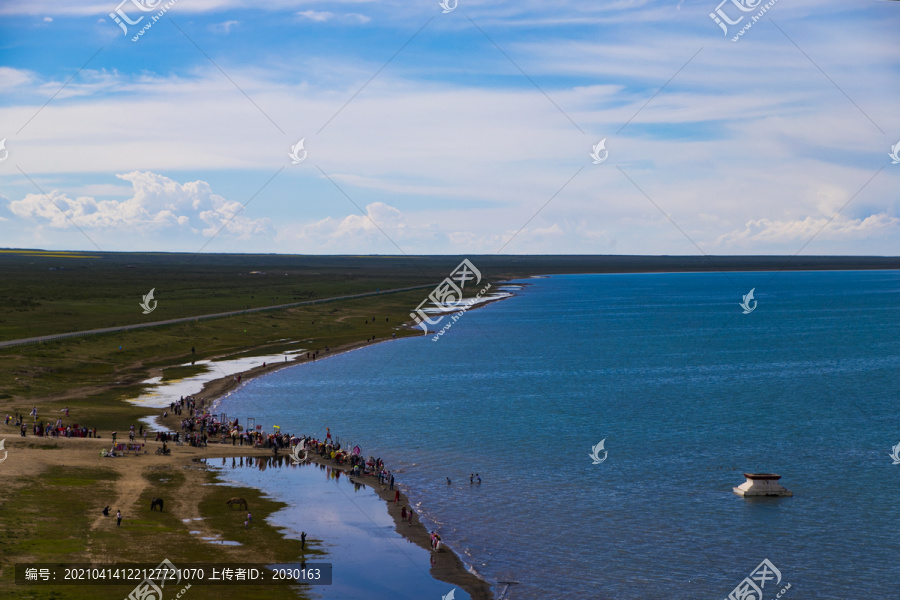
<point x="397" y="497"/>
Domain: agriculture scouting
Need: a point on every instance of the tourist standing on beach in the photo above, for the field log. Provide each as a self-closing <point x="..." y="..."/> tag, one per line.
<point x="118" y="518"/>
<point x="302" y="540"/>
<point x="392" y="480"/>
<point x="397" y="497"/>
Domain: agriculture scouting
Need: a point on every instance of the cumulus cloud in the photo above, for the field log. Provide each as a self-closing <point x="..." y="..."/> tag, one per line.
<point x="383" y="227"/>
<point x="158" y="202"/>
<point x="771" y="231"/>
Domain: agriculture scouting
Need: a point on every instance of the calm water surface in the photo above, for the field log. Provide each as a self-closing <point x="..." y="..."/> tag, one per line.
<point x="687" y="392"/>
<point x="370" y="560"/>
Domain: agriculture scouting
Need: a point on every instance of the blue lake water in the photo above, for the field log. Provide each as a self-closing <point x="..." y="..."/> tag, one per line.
<point x="370" y="560"/>
<point x="687" y="392"/>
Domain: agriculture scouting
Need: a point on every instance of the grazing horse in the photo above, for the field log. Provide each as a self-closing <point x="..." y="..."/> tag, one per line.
<point x="240" y="502"/>
<point x="156" y="502"/>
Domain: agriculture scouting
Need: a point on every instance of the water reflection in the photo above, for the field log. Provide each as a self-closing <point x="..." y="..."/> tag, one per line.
<point x="355" y="530"/>
<point x="264" y="462"/>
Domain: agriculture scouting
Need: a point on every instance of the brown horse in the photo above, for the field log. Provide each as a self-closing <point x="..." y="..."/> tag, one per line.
<point x="239" y="502"/>
<point x="156" y="502"/>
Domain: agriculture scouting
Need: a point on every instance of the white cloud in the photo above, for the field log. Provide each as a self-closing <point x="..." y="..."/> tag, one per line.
<point x="317" y="16"/>
<point x="771" y="231"/>
<point x="383" y="228"/>
<point x="10" y="77"/>
<point x="157" y="203"/>
<point x="324" y="16"/>
<point x="90" y="8"/>
<point x="450" y="148"/>
<point x="48" y="19"/>
<point x="225" y="27"/>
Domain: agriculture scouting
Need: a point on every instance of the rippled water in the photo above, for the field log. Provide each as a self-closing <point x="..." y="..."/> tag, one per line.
<point x="687" y="392"/>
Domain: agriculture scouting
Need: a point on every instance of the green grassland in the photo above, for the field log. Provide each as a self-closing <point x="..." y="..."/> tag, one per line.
<point x="47" y="518"/>
<point x="92" y="376"/>
<point x="53" y="292"/>
<point x="89" y="291"/>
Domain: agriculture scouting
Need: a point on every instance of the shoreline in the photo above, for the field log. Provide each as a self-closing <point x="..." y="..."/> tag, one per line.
<point x="448" y="566"/>
<point x="216" y="390"/>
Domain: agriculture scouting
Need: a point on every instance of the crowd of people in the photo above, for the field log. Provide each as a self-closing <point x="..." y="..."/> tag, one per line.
<point x="200" y="426"/>
<point x="42" y="428"/>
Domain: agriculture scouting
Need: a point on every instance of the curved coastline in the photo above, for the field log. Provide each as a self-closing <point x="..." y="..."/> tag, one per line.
<point x="448" y="566"/>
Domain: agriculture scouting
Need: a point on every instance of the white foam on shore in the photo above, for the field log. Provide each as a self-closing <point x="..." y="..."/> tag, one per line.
<point x="455" y="306"/>
<point x="161" y="395"/>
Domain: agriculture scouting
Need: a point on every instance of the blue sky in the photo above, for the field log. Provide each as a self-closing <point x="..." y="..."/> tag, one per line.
<point x="461" y="132"/>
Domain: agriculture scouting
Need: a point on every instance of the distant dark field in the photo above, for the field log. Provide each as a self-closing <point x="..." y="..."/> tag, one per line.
<point x="58" y="292"/>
